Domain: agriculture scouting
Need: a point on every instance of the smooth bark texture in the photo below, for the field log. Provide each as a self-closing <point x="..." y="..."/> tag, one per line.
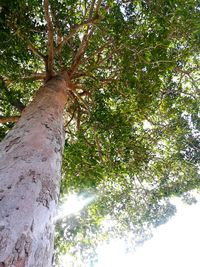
<point x="30" y="171"/>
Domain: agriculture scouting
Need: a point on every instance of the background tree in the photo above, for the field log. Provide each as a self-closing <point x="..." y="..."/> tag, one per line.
<point x="129" y="71"/>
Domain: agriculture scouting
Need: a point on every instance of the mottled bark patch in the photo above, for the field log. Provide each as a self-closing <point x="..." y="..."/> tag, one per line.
<point x="20" y="252"/>
<point x="23" y="245"/>
<point x="20" y="262"/>
<point x="47" y="125"/>
<point x="21" y="178"/>
<point x="35" y="177"/>
<point x="12" y="143"/>
<point x="4" y="233"/>
<point x="43" y="252"/>
<point x="2" y="227"/>
<point x="51" y="118"/>
<point x="47" y="193"/>
<point x="31" y="173"/>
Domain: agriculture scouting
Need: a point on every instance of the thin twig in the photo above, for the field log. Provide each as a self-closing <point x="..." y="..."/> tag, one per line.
<point x="78" y="120"/>
<point x="32" y="48"/>
<point x="192" y="79"/>
<point x="82" y="101"/>
<point x="97" y="52"/>
<point x="98" y="144"/>
<point x="72" y="117"/>
<point x="14" y="102"/>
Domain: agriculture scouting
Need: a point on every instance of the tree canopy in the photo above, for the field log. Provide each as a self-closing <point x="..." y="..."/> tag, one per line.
<point x="132" y="122"/>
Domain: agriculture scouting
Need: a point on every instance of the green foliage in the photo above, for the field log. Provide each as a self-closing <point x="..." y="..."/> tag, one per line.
<point x="132" y="135"/>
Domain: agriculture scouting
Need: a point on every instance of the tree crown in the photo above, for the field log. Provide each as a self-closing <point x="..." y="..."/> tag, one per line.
<point x="132" y="125"/>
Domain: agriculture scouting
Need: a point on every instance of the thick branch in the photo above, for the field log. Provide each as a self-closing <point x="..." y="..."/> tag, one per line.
<point x="35" y="76"/>
<point x="72" y="33"/>
<point x="50" y="38"/>
<point x="9" y="119"/>
<point x="98" y="5"/>
<point x="81" y="51"/>
<point x="84" y="44"/>
<point x="91" y="9"/>
<point x="90" y="21"/>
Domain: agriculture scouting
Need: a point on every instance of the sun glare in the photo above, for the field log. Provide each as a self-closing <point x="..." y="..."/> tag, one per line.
<point x="72" y="204"/>
<point x="174" y="244"/>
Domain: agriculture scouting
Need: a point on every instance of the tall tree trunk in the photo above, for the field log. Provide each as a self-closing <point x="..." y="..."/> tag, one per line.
<point x="30" y="171"/>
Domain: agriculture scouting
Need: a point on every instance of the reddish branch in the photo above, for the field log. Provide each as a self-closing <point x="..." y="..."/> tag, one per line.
<point x="90" y="21"/>
<point x="35" y="76"/>
<point x="91" y="9"/>
<point x="82" y="48"/>
<point x="9" y="119"/>
<point x="50" y="39"/>
<point x="98" y="5"/>
<point x="72" y="33"/>
<point x="84" y="44"/>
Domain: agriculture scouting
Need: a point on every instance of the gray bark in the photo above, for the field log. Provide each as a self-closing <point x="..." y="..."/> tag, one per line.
<point x="30" y="171"/>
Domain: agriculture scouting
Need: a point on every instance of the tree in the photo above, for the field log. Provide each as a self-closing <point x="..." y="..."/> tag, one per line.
<point x="110" y="68"/>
